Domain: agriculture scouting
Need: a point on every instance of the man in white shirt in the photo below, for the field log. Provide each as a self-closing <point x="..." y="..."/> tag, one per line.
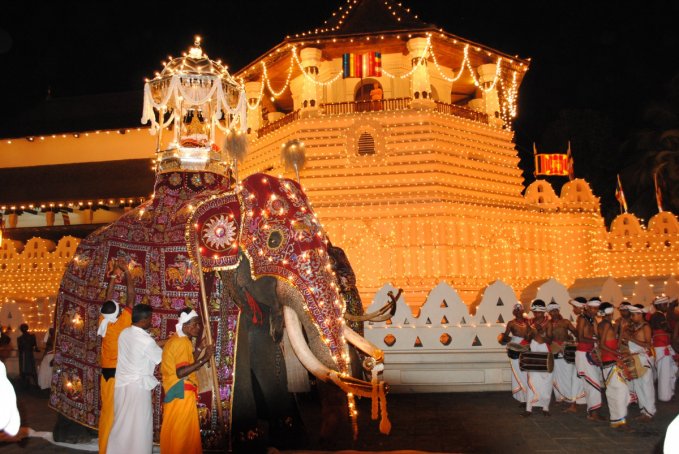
<point x="138" y="355"/>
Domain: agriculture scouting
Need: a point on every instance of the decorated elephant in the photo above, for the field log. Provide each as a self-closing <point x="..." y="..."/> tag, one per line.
<point x="274" y="309"/>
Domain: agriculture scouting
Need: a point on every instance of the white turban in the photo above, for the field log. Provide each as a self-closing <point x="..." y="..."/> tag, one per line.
<point x="537" y="308"/>
<point x="594" y="302"/>
<point x="635" y="310"/>
<point x="607" y="311"/>
<point x="576" y="303"/>
<point x="662" y="300"/>
<point x="552" y="307"/>
<point x="108" y="318"/>
<point x="183" y="318"/>
<point x="10" y="421"/>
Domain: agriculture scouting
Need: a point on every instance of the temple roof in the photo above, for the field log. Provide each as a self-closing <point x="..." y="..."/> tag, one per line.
<point x="371" y="16"/>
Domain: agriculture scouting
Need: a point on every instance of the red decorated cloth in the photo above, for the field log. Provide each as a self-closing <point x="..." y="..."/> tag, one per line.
<point x="152" y="239"/>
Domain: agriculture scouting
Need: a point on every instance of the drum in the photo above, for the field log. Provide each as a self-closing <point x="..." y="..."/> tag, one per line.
<point x="556" y="349"/>
<point x="514" y="350"/>
<point x="594" y="358"/>
<point x="569" y="353"/>
<point x="631" y="367"/>
<point x="536" y="361"/>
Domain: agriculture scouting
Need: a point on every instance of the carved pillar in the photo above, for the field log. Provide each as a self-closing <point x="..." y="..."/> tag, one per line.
<point x="490" y="97"/>
<point x="13" y="220"/>
<point x="49" y="218"/>
<point x="252" y="92"/>
<point x="420" y="86"/>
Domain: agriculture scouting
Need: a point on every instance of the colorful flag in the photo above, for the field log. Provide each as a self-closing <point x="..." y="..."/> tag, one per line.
<point x="551" y="164"/>
<point x="67" y="219"/>
<point x="620" y="196"/>
<point x="658" y="192"/>
<point x="362" y="65"/>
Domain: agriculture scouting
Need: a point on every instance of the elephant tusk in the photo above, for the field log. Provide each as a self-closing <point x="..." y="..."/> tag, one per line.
<point x="380" y="315"/>
<point x="363" y="344"/>
<point x="301" y="349"/>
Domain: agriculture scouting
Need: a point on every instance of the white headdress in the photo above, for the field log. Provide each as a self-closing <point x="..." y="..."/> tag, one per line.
<point x="552" y="307"/>
<point x="108" y="318"/>
<point x="594" y="302"/>
<point x="183" y="318"/>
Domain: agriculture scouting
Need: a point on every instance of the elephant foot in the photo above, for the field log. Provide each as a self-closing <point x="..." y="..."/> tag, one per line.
<point x="67" y="431"/>
<point x="250" y="441"/>
<point x="288" y="433"/>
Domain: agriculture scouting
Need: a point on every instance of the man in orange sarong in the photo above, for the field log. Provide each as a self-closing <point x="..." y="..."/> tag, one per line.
<point x="115" y="317"/>
<point x="180" y="430"/>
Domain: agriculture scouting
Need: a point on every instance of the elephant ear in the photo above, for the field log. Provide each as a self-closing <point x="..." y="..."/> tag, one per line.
<point x="214" y="230"/>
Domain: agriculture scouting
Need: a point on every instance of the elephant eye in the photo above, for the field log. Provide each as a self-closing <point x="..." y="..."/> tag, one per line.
<point x="275" y="239"/>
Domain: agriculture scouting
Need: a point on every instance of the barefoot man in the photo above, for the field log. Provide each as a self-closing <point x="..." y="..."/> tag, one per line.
<point x="559" y="332"/>
<point x="637" y="334"/>
<point x="518" y="328"/>
<point x="590" y="373"/>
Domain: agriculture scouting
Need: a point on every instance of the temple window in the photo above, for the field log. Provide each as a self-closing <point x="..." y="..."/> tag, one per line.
<point x="364" y="87"/>
<point x="366" y="144"/>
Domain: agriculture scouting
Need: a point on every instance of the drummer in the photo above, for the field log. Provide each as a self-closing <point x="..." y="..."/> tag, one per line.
<point x="617" y="392"/>
<point x="637" y="333"/>
<point x="558" y="332"/>
<point x="518" y="328"/>
<point x="539" y="383"/>
<point x="577" y="390"/>
<point x="666" y="367"/>
<point x="588" y="372"/>
<point x="620" y="326"/>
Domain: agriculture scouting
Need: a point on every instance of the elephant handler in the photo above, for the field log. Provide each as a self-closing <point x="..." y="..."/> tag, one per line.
<point x="115" y="317"/>
<point x="180" y="430"/>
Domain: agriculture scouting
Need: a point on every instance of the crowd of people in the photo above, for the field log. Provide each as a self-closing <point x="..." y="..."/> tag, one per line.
<point x="129" y="356"/>
<point x="620" y="360"/>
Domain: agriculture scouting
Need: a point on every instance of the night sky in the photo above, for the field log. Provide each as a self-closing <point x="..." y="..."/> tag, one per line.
<point x="600" y="70"/>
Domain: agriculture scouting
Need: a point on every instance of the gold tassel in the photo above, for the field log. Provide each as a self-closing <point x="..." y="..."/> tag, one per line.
<point x="353" y="415"/>
<point x="375" y="399"/>
<point x="385" y="424"/>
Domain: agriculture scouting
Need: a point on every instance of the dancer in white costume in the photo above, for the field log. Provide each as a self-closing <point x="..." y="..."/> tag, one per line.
<point x="577" y="389"/>
<point x="620" y="326"/>
<point x="665" y="365"/>
<point x="539" y="383"/>
<point x="559" y="332"/>
<point x="637" y="335"/>
<point x="617" y="392"/>
<point x="588" y="372"/>
<point x="515" y="333"/>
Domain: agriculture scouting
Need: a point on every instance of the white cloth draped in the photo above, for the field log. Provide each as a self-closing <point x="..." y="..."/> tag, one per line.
<point x="643" y="387"/>
<point x="539" y="383"/>
<point x="138" y="355"/>
<point x="10" y="421"/>
<point x="519" y="377"/>
<point x="617" y="395"/>
<point x="45" y="371"/>
<point x="666" y="370"/>
<point x="591" y="376"/>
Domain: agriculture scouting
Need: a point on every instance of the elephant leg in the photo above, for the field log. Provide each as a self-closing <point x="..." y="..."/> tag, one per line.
<point x="246" y="435"/>
<point x="274" y="403"/>
<point x="335" y="431"/>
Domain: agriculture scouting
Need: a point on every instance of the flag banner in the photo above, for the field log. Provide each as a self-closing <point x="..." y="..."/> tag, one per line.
<point x="66" y="217"/>
<point x="362" y="65"/>
<point x="658" y="192"/>
<point x="552" y="164"/>
<point x="620" y="196"/>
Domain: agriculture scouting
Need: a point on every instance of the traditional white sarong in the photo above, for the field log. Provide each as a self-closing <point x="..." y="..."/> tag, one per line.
<point x="643" y="387"/>
<point x="666" y="369"/>
<point x="45" y="371"/>
<point x="591" y="376"/>
<point x="132" y="431"/>
<point x="539" y="383"/>
<point x="617" y="395"/>
<point x="519" y="377"/>
<point x="577" y="389"/>
<point x="563" y="376"/>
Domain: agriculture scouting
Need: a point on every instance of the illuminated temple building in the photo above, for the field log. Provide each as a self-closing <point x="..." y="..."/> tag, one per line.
<point x="410" y="165"/>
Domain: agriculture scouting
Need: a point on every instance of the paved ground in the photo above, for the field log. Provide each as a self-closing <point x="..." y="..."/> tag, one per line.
<point x="462" y="422"/>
